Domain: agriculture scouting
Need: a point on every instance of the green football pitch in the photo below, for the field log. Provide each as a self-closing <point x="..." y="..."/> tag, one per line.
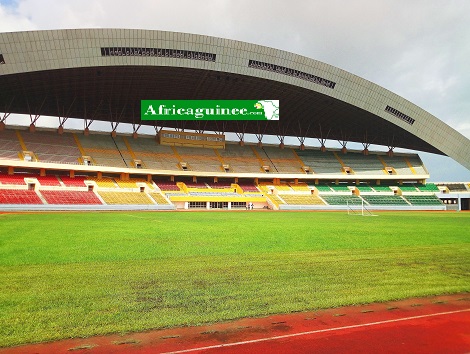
<point x="68" y="275"/>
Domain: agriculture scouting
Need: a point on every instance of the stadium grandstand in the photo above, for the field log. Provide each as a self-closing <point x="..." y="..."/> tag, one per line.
<point x="101" y="75"/>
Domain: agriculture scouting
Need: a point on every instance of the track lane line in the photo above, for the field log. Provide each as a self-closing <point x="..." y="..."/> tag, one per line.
<point x="315" y="331"/>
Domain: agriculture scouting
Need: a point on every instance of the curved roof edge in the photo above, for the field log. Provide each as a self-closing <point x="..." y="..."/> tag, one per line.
<point x="77" y="48"/>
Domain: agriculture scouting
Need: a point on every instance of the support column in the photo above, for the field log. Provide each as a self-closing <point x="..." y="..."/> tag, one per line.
<point x="3" y="120"/>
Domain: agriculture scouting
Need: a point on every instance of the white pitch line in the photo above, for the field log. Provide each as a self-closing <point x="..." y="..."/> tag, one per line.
<point x="316" y="331"/>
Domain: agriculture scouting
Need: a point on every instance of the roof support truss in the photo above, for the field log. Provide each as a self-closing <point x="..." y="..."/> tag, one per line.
<point x="4" y="117"/>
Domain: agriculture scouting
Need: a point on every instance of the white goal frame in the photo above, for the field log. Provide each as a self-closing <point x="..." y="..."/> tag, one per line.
<point x="360" y="211"/>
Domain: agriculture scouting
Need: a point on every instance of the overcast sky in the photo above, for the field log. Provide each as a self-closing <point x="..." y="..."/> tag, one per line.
<point x="419" y="49"/>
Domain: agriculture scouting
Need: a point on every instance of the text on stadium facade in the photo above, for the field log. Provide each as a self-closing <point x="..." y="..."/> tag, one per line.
<point x="156" y="52"/>
<point x="291" y="72"/>
<point x="400" y="115"/>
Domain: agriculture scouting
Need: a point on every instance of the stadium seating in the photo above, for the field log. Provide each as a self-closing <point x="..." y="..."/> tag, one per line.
<point x="340" y="187"/>
<point x="402" y="165"/>
<point x="132" y="183"/>
<point x="167" y="186"/>
<point x="320" y="162"/>
<point x="321" y="187"/>
<point x="220" y="185"/>
<point x="51" y="146"/>
<point x="77" y="181"/>
<point x="152" y="155"/>
<point x="428" y="187"/>
<point x="342" y="199"/>
<point x="103" y="151"/>
<point x="246" y="187"/>
<point x="17" y="179"/>
<point x="130" y="198"/>
<point x="122" y="152"/>
<point x="301" y="199"/>
<point x="364" y="188"/>
<point x="47" y="180"/>
<point x="275" y="199"/>
<point x="408" y="188"/>
<point x="266" y="186"/>
<point x="15" y="196"/>
<point x="423" y="200"/>
<point x="70" y="197"/>
<point x="283" y="160"/>
<point x="9" y="145"/>
<point x="455" y="187"/>
<point x="241" y="159"/>
<point x="299" y="187"/>
<point x="382" y="188"/>
<point x="363" y="164"/>
<point x="199" y="159"/>
<point x="198" y="185"/>
<point x="158" y="198"/>
<point x="384" y="200"/>
<point x="416" y="164"/>
<point x="105" y="182"/>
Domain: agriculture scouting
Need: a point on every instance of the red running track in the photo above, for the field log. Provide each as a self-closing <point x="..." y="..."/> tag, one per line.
<point x="431" y="325"/>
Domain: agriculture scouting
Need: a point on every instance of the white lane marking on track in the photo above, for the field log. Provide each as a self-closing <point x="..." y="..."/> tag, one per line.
<point x="316" y="331"/>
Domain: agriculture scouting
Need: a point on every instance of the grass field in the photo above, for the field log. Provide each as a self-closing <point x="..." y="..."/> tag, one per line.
<point x="79" y="274"/>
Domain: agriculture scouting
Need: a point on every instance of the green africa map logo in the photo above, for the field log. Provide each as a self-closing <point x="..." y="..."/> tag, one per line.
<point x="210" y="109"/>
<point x="271" y="108"/>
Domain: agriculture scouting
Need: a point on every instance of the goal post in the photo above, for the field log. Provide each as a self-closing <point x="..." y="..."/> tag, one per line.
<point x="361" y="210"/>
